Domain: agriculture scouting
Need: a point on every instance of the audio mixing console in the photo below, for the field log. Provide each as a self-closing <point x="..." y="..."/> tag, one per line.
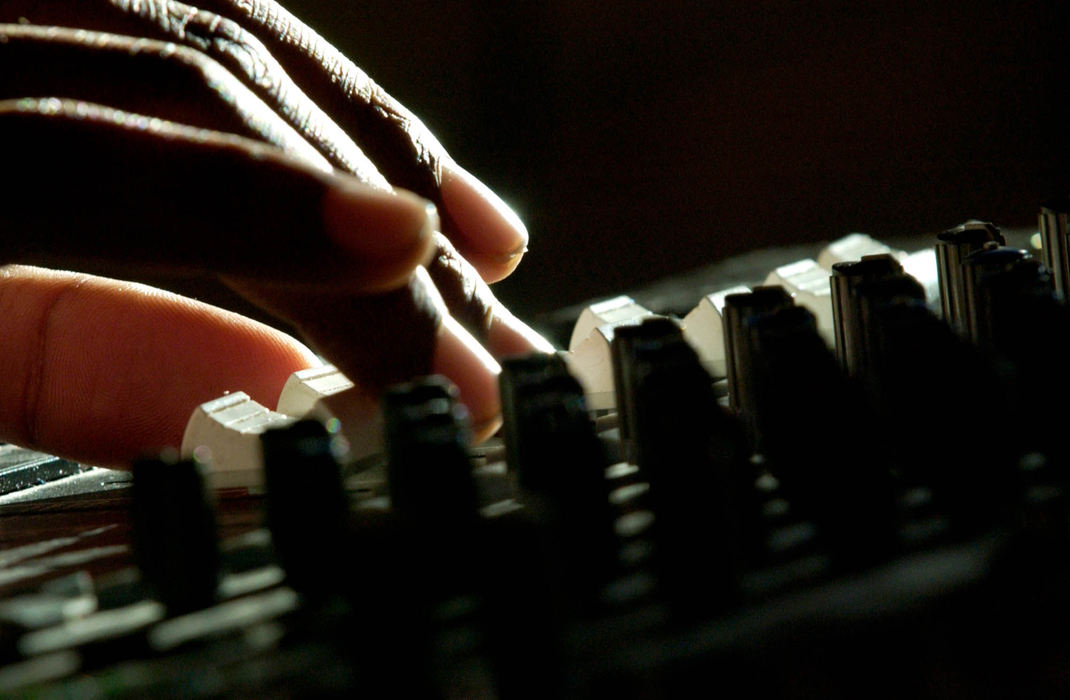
<point x="800" y="473"/>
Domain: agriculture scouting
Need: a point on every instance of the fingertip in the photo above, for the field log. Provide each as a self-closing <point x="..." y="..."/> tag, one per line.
<point x="493" y="269"/>
<point x="490" y="233"/>
<point x="388" y="234"/>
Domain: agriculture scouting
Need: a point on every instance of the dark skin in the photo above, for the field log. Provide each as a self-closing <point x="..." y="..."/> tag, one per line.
<point x="228" y="140"/>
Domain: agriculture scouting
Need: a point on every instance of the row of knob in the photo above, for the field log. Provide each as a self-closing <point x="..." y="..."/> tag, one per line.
<point x="693" y="495"/>
<point x="904" y="402"/>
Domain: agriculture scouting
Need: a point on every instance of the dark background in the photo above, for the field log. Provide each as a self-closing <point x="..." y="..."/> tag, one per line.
<point x="639" y="139"/>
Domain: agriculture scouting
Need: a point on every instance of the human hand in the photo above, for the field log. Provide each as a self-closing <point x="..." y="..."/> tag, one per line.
<point x="226" y="152"/>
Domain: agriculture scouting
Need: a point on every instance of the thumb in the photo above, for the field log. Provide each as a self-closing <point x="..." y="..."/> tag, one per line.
<point x="104" y="371"/>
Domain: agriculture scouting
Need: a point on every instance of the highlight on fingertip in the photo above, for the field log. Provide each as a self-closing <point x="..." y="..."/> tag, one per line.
<point x="488" y="230"/>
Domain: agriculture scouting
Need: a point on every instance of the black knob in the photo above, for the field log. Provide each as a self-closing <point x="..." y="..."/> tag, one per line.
<point x="691" y="452"/>
<point x="523" y="378"/>
<point x="430" y="475"/>
<point x="306" y="504"/>
<point x="846" y="308"/>
<point x="632" y="346"/>
<point x="952" y="247"/>
<point x="802" y="398"/>
<point x="174" y="532"/>
<point x="868" y="298"/>
<point x="996" y="280"/>
<point x="942" y="413"/>
<point x="1055" y="244"/>
<point x="560" y="465"/>
<point x="737" y="307"/>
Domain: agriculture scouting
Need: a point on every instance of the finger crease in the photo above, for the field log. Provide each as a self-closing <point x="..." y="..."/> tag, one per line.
<point x="39" y="365"/>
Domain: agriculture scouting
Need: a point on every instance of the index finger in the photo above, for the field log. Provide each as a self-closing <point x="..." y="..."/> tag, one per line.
<point x="107" y="191"/>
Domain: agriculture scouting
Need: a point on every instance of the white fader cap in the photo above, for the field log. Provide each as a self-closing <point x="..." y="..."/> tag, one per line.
<point x="321" y="393"/>
<point x="808" y="284"/>
<point x="852" y="247"/>
<point x="704" y="330"/>
<point x="590" y="358"/>
<point x="615" y="311"/>
<point x="225" y="433"/>
<point x="304" y="392"/>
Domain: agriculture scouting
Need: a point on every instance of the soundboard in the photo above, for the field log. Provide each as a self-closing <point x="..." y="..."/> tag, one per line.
<point x="818" y="471"/>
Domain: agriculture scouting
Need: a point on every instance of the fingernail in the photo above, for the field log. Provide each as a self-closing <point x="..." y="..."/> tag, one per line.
<point x="508" y="335"/>
<point x="467" y="364"/>
<point x="485" y="222"/>
<point x="378" y="226"/>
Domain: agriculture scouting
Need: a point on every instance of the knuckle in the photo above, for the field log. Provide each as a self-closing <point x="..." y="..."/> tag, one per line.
<point x="465" y="294"/>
